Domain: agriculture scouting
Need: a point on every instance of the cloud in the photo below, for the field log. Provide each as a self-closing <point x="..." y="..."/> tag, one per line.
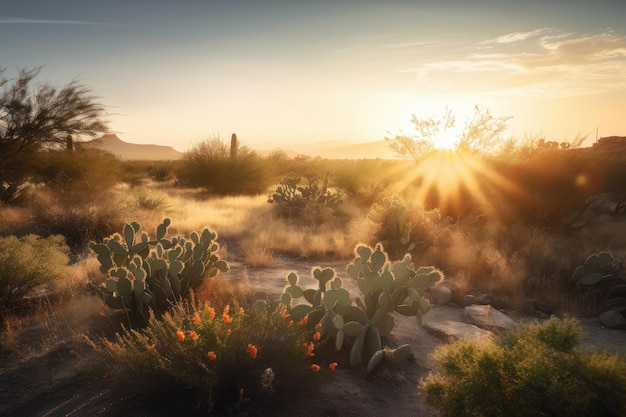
<point x="527" y="63"/>
<point x="518" y="36"/>
<point x="15" y="20"/>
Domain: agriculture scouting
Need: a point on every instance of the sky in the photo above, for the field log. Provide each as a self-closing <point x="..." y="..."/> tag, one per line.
<point x="279" y="73"/>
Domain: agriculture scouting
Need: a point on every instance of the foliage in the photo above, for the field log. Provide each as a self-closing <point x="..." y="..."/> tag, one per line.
<point x="400" y="224"/>
<point x="209" y="165"/>
<point x="482" y="133"/>
<point x="535" y="370"/>
<point x="228" y="360"/>
<point x="39" y="117"/>
<point x="28" y="262"/>
<point x="155" y="274"/>
<point x="305" y="202"/>
<point x="385" y="288"/>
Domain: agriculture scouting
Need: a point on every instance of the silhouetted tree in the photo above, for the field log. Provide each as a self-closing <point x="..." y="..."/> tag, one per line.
<point x="36" y="117"/>
<point x="481" y="134"/>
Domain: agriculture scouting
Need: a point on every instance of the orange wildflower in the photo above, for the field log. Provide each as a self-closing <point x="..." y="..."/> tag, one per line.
<point x="180" y="335"/>
<point x="252" y="350"/>
<point x="196" y="318"/>
<point x="152" y="346"/>
<point x="318" y="326"/>
<point x="242" y="312"/>
<point x="193" y="335"/>
<point x="290" y="323"/>
<point x="315" y="367"/>
<point x="241" y="392"/>
<point x="284" y="313"/>
<point x="212" y="356"/>
<point x="225" y="317"/>
<point x="211" y="311"/>
<point x="309" y="350"/>
<point x="229" y="332"/>
<point x="317" y="336"/>
<point x="333" y="366"/>
<point x="304" y="320"/>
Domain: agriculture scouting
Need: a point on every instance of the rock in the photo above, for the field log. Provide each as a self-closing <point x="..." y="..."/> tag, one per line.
<point x="454" y="330"/>
<point x="484" y="299"/>
<point x="468" y="300"/>
<point x="528" y="307"/>
<point x="440" y="294"/>
<point x="532" y="307"/>
<point x="462" y="300"/>
<point x="612" y="319"/>
<point x="485" y="316"/>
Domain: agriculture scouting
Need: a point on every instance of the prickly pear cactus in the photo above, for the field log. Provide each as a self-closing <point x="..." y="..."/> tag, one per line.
<point x="155" y="273"/>
<point x="385" y="288"/>
<point x="597" y="267"/>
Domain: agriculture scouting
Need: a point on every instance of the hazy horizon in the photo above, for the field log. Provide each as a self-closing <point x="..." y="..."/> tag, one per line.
<point x="280" y="73"/>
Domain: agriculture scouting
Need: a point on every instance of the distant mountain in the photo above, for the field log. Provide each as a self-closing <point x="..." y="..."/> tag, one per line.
<point x="132" y="151"/>
<point x="340" y="150"/>
<point x="324" y="149"/>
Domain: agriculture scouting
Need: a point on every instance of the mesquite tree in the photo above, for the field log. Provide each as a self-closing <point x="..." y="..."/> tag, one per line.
<point x="38" y="116"/>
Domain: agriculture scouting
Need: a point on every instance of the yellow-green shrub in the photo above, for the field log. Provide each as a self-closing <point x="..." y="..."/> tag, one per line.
<point x="28" y="262"/>
<point x="536" y="370"/>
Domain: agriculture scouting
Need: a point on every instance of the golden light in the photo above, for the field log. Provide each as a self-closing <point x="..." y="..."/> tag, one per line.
<point x="448" y="180"/>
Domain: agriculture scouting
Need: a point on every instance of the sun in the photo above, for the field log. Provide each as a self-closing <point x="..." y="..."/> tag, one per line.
<point x="449" y="179"/>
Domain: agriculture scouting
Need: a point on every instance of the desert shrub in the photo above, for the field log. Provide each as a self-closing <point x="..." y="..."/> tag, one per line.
<point x="225" y="361"/>
<point x="150" y="199"/>
<point x="402" y="226"/>
<point x="210" y="165"/>
<point x="58" y="169"/>
<point x="309" y="204"/>
<point x="28" y="262"/>
<point x="535" y="370"/>
<point x="77" y="211"/>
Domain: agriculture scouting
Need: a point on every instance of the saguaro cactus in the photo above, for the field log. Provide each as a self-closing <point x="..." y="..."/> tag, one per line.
<point x="233" y="146"/>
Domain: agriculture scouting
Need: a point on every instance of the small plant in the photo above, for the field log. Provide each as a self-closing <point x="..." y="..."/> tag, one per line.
<point x="385" y="288"/>
<point x="28" y="262"/>
<point x="535" y="370"/>
<point x="155" y="274"/>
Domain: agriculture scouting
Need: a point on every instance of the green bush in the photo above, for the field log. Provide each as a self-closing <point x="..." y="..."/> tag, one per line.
<point x="26" y="263"/>
<point x="210" y="165"/>
<point x="535" y="370"/>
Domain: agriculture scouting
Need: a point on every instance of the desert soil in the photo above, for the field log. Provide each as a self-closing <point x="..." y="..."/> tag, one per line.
<point x="66" y="380"/>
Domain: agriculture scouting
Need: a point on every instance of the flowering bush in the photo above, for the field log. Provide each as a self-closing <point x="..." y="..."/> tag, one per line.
<point x="226" y="357"/>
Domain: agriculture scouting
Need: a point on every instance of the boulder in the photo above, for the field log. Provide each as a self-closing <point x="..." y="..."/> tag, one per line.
<point x="441" y="294"/>
<point x="612" y="319"/>
<point x="454" y="330"/>
<point x="485" y="316"/>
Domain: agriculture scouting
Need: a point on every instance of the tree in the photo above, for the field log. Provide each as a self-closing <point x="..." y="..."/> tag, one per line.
<point x="36" y="117"/>
<point x="482" y="134"/>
